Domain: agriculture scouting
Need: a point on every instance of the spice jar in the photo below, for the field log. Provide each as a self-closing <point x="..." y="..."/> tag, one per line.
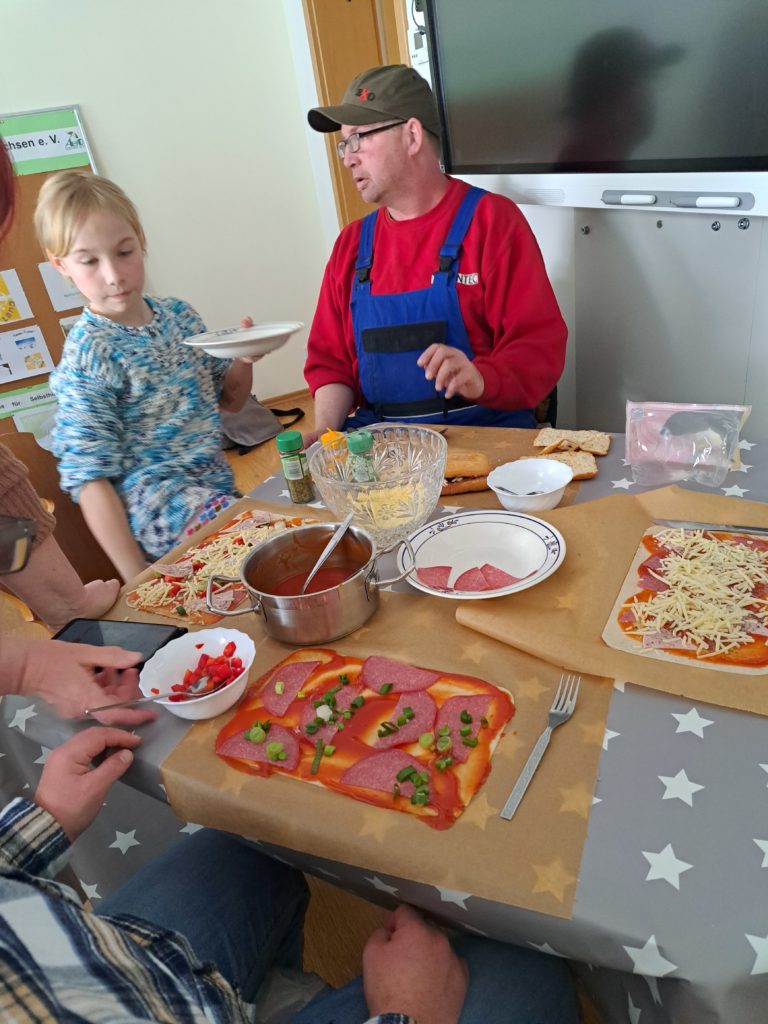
<point x="360" y="445"/>
<point x="333" y="439"/>
<point x="295" y="469"/>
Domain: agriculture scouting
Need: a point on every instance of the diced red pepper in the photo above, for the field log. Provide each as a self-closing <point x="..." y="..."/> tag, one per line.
<point x="154" y="690"/>
<point x="229" y="650"/>
<point x="198" y="646"/>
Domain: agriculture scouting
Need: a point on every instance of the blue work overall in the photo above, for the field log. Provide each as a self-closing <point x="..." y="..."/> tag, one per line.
<point x="391" y="332"/>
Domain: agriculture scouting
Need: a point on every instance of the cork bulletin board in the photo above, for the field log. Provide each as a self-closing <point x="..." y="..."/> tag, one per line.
<point x="37" y="305"/>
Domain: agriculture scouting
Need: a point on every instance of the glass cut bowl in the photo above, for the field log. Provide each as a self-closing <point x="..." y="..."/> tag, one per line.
<point x="409" y="464"/>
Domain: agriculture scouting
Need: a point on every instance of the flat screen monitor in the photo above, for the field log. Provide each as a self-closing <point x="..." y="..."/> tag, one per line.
<point x="594" y="102"/>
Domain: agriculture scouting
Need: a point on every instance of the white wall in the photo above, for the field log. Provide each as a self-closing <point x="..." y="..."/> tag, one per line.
<point x="197" y="110"/>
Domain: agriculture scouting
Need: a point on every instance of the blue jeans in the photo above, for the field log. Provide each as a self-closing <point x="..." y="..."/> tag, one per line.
<point x="245" y="912"/>
<point x="235" y="906"/>
<point x="507" y="985"/>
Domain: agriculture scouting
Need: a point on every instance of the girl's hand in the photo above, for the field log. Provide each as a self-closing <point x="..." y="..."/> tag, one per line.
<point x="247" y="321"/>
<point x="70" y="788"/>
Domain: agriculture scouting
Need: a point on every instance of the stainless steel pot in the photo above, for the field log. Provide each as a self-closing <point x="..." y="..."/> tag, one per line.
<point x="315" y="618"/>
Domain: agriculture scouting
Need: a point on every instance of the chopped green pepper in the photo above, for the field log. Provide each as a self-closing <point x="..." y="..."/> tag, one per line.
<point x="180" y="609"/>
<point x="385" y="688"/>
<point x="427" y="740"/>
<point x="465" y="717"/>
<point x="357" y="702"/>
<point x="405" y="773"/>
<point x="279" y="687"/>
<point x="465" y="730"/>
<point x="470" y="742"/>
<point x="329" y="750"/>
<point x="444" y="743"/>
<point x="274" y="750"/>
<point x="318" y="757"/>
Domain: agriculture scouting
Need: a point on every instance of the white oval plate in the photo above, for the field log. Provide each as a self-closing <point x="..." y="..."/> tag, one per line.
<point x="245" y="341"/>
<point x="521" y="545"/>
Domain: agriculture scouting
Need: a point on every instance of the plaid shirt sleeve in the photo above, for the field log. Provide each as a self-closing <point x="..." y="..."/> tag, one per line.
<point x="59" y="962"/>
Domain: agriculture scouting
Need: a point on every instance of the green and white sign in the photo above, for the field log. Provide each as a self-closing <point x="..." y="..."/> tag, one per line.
<point x="45" y="140"/>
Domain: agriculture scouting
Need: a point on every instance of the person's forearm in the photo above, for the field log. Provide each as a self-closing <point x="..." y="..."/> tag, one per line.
<point x="333" y="403"/>
<point x="105" y="515"/>
<point x="238" y="384"/>
<point x="54" y="591"/>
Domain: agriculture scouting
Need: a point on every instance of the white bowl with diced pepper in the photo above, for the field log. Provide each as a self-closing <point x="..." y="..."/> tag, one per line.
<point x="219" y="658"/>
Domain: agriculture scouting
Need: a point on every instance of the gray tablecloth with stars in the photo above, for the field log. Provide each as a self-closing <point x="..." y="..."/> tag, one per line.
<point x="670" y="920"/>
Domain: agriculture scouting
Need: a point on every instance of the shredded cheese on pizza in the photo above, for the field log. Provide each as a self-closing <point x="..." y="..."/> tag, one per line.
<point x="182" y="584"/>
<point x="710" y="603"/>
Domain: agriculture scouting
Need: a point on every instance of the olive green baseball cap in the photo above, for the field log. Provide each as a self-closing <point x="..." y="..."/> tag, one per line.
<point x="378" y="94"/>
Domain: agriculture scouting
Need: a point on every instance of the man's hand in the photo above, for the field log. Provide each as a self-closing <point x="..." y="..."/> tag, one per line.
<point x="70" y="788"/>
<point x="409" y="967"/>
<point x="73" y="677"/>
<point x="452" y="372"/>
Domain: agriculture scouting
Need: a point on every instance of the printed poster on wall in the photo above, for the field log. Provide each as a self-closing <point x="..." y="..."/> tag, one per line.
<point x="61" y="292"/>
<point x="13" y="301"/>
<point x="45" y="140"/>
<point x="23" y="353"/>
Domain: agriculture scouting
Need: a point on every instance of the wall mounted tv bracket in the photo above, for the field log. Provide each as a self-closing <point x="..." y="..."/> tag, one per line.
<point x="736" y="201"/>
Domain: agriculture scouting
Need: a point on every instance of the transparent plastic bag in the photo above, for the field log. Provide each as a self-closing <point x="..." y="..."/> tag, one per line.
<point x="669" y="442"/>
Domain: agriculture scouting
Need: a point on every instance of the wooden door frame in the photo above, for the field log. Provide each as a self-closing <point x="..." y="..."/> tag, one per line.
<point x="390" y="21"/>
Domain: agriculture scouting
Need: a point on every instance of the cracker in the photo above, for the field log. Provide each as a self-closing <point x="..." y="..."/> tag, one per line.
<point x="583" y="464"/>
<point x="594" y="441"/>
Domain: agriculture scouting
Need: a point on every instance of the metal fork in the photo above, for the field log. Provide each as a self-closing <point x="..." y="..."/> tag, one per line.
<point x="562" y="708"/>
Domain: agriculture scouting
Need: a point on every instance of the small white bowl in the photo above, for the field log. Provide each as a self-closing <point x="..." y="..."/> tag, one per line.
<point x="547" y="478"/>
<point x="168" y="665"/>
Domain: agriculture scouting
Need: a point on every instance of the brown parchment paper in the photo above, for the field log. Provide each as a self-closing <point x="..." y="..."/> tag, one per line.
<point x="562" y="619"/>
<point x="532" y="861"/>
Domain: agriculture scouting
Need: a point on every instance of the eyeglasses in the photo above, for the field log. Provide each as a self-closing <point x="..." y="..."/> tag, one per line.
<point x="16" y="536"/>
<point x="353" y="140"/>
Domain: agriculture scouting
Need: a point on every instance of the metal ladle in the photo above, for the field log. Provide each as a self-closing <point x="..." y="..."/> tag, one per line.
<point x="341" y="529"/>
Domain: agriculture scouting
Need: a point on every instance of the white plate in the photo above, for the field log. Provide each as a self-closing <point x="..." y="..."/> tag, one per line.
<point x="245" y="341"/>
<point x="520" y="545"/>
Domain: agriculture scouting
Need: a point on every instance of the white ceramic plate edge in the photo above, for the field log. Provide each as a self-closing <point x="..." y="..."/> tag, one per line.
<point x="472" y="514"/>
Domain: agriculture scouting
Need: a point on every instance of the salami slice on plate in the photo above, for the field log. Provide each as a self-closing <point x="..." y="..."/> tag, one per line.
<point x="496" y="578"/>
<point x="473" y="579"/>
<point x="378" y="671"/>
<point x="435" y="576"/>
<point x="239" y="746"/>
